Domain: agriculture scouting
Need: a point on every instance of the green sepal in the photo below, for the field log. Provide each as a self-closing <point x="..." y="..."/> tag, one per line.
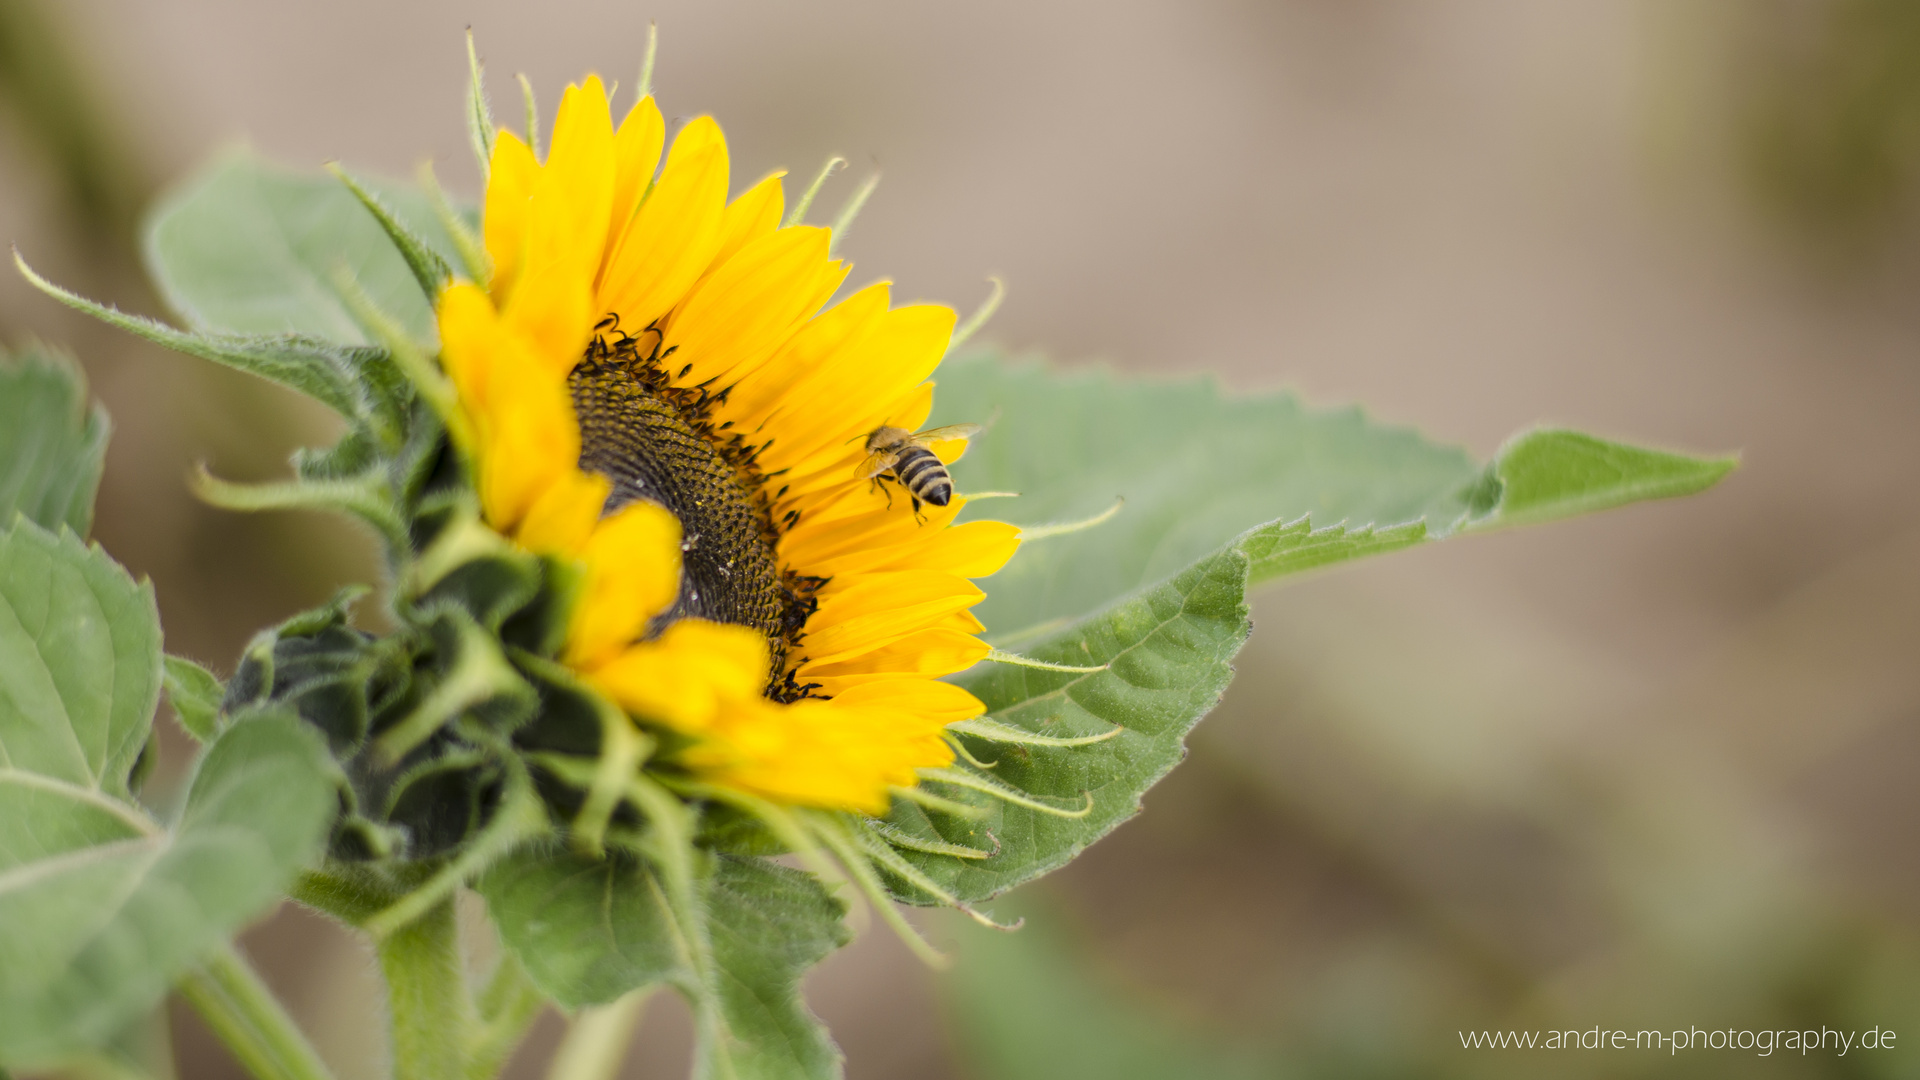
<point x="429" y="269"/>
<point x="195" y="695"/>
<point x="416" y="785"/>
<point x="479" y="113"/>
<point x="356" y="381"/>
<point x="464" y="671"/>
<point x="366" y="496"/>
<point x="52" y="444"/>
<point x="355" y="454"/>
<point x="330" y="674"/>
<point x="464" y="563"/>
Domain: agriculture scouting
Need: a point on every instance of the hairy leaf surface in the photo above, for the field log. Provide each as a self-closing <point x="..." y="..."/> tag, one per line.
<point x="79" y="660"/>
<point x="52" y="445"/>
<point x="248" y="248"/>
<point x="101" y="908"/>
<point x="1221" y="492"/>
<point x="589" y="930"/>
<point x="1197" y="467"/>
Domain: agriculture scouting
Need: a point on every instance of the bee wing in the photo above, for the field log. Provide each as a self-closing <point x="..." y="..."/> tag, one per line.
<point x="951" y="431"/>
<point x="876" y="463"/>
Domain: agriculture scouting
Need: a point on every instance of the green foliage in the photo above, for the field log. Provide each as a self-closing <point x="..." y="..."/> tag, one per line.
<point x="1543" y="475"/>
<point x="415" y="719"/>
<point x="1220" y="493"/>
<point x="356" y="381"/>
<point x="194" y="694"/>
<point x="247" y="248"/>
<point x="79" y="661"/>
<point x="101" y="908"/>
<point x="589" y="930"/>
<point x="429" y="270"/>
<point x="1169" y="649"/>
<point x="1198" y="468"/>
<point x="1149" y="509"/>
<point x="52" y="446"/>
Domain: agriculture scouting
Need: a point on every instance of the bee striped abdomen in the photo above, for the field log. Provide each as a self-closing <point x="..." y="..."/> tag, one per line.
<point x="924" y="476"/>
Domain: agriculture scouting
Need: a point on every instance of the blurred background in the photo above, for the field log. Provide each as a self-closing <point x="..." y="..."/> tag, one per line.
<point x="1654" y="769"/>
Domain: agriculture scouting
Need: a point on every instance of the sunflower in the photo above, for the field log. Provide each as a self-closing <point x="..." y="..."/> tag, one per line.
<point x="654" y="388"/>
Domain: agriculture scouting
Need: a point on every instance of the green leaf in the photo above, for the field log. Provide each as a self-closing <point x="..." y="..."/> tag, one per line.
<point x="357" y="381"/>
<point x="79" y="660"/>
<point x="1197" y="468"/>
<point x="1169" y="649"/>
<point x="101" y="909"/>
<point x="1547" y="474"/>
<point x="1221" y="492"/>
<point x="589" y="930"/>
<point x="430" y="271"/>
<point x="195" y="696"/>
<point x="52" y="446"/>
<point x="768" y="925"/>
<point x="248" y="248"/>
<point x="1030" y="1006"/>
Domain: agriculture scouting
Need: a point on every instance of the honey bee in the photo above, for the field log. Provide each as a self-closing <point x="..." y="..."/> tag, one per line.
<point x="899" y="455"/>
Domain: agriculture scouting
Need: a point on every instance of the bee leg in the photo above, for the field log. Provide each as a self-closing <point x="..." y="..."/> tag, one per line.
<point x="880" y="482"/>
<point x="918" y="517"/>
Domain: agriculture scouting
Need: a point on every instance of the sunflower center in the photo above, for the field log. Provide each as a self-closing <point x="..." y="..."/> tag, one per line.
<point x="655" y="441"/>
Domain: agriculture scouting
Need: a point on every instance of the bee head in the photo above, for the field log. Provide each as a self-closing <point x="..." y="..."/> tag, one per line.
<point x="884" y="436"/>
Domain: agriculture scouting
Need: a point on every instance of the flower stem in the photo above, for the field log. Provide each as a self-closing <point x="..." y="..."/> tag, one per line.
<point x="596" y="1042"/>
<point x="230" y="997"/>
<point x="508" y="1007"/>
<point x="427" y="994"/>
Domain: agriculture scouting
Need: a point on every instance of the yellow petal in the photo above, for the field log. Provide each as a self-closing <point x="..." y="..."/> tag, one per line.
<point x="525" y="434"/>
<point x="468" y="331"/>
<point x="749" y="306"/>
<point x="871" y="534"/>
<point x="927" y="653"/>
<point x="562" y="518"/>
<point x="636" y="154"/>
<point x="880" y="608"/>
<point x="819" y="753"/>
<point x="567" y="219"/>
<point x="850" y="391"/>
<point x="681" y="678"/>
<point x="671" y="240"/>
<point x="530" y="440"/>
<point x="975" y="550"/>
<point x="938" y="701"/>
<point x="632" y="564"/>
<point x="758" y="394"/>
<point x="503" y="224"/>
<point x="963" y="621"/>
<point x="820" y="480"/>
<point x="756" y="213"/>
